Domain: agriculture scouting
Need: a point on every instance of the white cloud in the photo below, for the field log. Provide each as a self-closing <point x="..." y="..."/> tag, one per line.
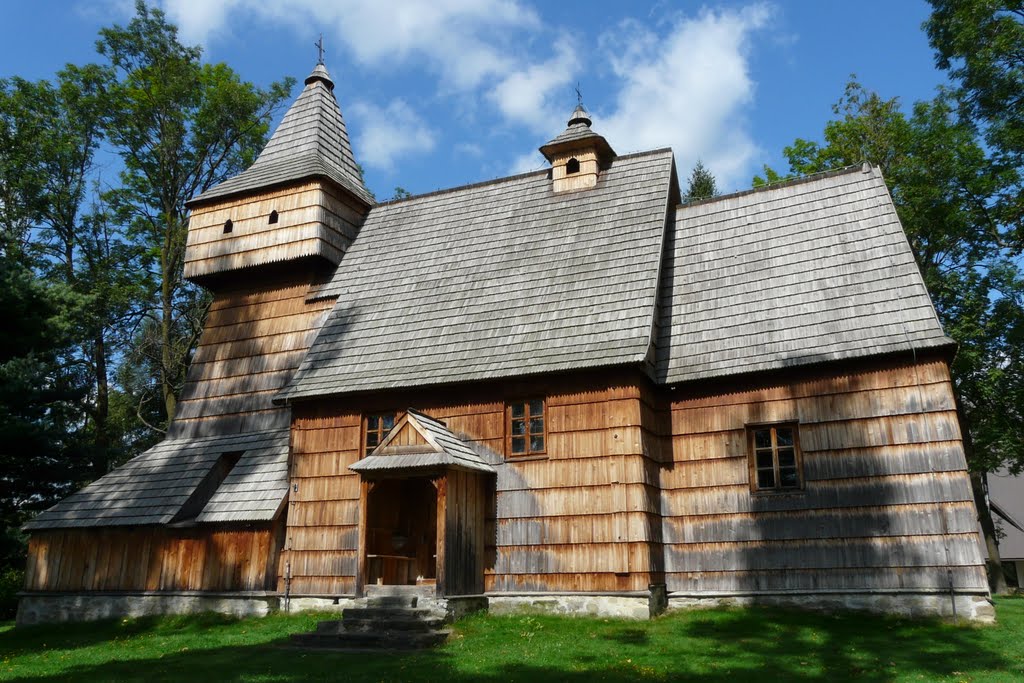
<point x="524" y="163"/>
<point x="468" y="149"/>
<point x="387" y="133"/>
<point x="687" y="89"/>
<point x="524" y="95"/>
<point x="464" y="41"/>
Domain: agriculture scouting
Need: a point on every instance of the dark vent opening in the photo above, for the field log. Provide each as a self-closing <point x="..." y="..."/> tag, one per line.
<point x="573" y="166"/>
<point x="208" y="486"/>
<point x="228" y="226"/>
<point x="273" y="217"/>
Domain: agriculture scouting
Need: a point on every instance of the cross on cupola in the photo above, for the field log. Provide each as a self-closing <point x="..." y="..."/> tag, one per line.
<point x="320" y="50"/>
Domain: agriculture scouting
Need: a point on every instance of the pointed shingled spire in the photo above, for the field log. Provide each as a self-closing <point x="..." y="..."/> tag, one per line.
<point x="311" y="141"/>
<point x="577" y="135"/>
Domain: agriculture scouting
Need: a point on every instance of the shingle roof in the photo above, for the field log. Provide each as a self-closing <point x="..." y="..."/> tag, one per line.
<point x="809" y="271"/>
<point x="577" y="130"/>
<point x="153" y="487"/>
<point x="445" y="450"/>
<point x="311" y="141"/>
<point x="496" y="280"/>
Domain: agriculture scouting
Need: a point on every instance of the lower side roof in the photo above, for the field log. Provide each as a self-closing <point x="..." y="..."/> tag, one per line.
<point x="155" y="486"/>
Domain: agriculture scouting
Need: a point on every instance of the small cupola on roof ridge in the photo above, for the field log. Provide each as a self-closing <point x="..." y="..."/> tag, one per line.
<point x="305" y="187"/>
<point x="578" y="155"/>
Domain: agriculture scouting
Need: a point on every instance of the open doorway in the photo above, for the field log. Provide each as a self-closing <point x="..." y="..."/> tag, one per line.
<point x="401" y="532"/>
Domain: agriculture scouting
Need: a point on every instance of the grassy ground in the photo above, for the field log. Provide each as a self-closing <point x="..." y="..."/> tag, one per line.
<point x="725" y="646"/>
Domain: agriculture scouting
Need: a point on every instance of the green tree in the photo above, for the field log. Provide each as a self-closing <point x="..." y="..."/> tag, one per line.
<point x="180" y="126"/>
<point x="981" y="44"/>
<point x="944" y="188"/>
<point x="701" y="184"/>
<point x="41" y="455"/>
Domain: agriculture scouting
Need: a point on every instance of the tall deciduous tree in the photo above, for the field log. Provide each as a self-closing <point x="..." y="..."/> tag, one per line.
<point x="981" y="44"/>
<point x="701" y="184"/>
<point x="181" y="126"/>
<point x="945" y="191"/>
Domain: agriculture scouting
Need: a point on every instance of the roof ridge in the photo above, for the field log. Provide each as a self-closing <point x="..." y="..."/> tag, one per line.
<point x="788" y="182"/>
<point x="496" y="181"/>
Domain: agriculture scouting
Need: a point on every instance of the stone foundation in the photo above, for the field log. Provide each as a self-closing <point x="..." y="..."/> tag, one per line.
<point x="631" y="606"/>
<point x="40" y="608"/>
<point x="975" y="608"/>
<point x="48" y="608"/>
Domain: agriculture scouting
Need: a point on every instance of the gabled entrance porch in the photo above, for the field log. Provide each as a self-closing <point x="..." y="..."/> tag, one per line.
<point x="424" y="495"/>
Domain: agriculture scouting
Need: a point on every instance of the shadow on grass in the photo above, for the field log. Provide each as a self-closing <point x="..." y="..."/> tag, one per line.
<point x="718" y="647"/>
<point x="630" y="636"/>
<point x="73" y="636"/>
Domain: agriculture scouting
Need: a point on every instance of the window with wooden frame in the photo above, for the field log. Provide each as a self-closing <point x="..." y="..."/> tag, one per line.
<point x="774" y="457"/>
<point x="526" y="428"/>
<point x="375" y="427"/>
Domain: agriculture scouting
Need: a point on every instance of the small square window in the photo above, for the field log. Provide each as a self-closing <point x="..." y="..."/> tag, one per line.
<point x="526" y="428"/>
<point x="375" y="429"/>
<point x="774" y="457"/>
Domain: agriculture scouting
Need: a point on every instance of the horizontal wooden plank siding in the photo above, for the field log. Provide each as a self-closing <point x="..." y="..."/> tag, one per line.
<point x="312" y="220"/>
<point x="321" y="540"/>
<point x="589" y="506"/>
<point x="886" y="503"/>
<point x="153" y="559"/>
<point x="254" y="339"/>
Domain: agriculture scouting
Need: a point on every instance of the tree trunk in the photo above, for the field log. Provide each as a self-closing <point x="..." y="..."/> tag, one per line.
<point x="101" y="461"/>
<point x="994" y="566"/>
<point x="167" y="361"/>
<point x="996" y="577"/>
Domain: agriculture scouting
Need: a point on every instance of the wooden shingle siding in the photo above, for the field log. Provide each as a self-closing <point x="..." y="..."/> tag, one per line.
<point x="313" y="220"/>
<point x="268" y="326"/>
<point x="323" y="507"/>
<point x="153" y="559"/>
<point x="589" y="500"/>
<point x="886" y="489"/>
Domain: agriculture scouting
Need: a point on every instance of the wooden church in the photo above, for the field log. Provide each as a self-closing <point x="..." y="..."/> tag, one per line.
<point x="564" y="389"/>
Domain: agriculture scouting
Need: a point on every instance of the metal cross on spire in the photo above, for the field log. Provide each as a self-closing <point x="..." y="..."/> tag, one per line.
<point x="320" y="49"/>
<point x="579" y="95"/>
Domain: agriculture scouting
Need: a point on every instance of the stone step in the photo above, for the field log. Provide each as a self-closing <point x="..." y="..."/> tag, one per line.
<point x="416" y="623"/>
<point x="385" y="613"/>
<point x="393" y="601"/>
<point x="329" y="626"/>
<point x="374" y="591"/>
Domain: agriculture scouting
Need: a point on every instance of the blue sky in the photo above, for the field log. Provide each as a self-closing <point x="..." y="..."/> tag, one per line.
<point x="447" y="92"/>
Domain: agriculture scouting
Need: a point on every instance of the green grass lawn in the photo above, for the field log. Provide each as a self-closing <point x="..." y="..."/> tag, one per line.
<point x="727" y="645"/>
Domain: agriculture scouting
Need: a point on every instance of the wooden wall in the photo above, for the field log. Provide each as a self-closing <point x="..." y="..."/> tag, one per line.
<point x="313" y="220"/>
<point x="580" y="518"/>
<point x="887" y="502"/>
<point x="461" y="503"/>
<point x="153" y="559"/>
<point x="255" y="336"/>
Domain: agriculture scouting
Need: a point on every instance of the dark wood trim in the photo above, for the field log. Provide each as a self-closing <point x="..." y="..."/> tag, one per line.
<point x="527" y="417"/>
<point x="441" y="582"/>
<point x="777" y="489"/>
